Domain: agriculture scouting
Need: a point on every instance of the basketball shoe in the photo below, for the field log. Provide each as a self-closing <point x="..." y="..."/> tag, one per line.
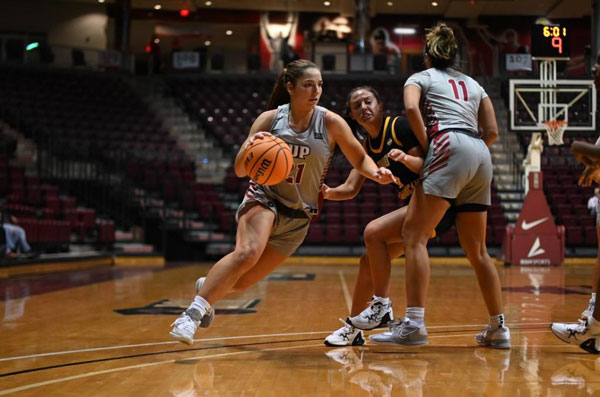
<point x="348" y="335"/>
<point x="404" y="333"/>
<point x="577" y="334"/>
<point x="378" y="314"/>
<point x="185" y="326"/>
<point x="210" y="315"/>
<point x="498" y="338"/>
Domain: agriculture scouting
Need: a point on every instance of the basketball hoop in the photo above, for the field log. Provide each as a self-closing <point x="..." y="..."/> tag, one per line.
<point x="555" y="130"/>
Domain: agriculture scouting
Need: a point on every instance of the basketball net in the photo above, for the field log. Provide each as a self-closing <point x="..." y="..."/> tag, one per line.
<point x="555" y="130"/>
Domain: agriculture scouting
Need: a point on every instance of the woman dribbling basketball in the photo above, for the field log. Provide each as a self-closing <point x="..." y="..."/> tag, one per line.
<point x="273" y="220"/>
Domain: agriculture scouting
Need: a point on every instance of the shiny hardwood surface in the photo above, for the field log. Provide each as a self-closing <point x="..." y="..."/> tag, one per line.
<point x="72" y="342"/>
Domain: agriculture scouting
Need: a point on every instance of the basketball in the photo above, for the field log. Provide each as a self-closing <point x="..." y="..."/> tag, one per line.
<point x="268" y="161"/>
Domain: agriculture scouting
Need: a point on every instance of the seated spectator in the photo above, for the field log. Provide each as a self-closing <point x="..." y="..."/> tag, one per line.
<point x="16" y="240"/>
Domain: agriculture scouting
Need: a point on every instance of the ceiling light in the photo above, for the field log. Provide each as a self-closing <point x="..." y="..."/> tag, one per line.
<point x="326" y="3"/>
<point x="434" y="3"/>
<point x="389" y="3"/>
<point x="207" y="43"/>
<point x="157" y="7"/>
<point x="406" y="31"/>
<point x="228" y="32"/>
<point x="208" y="3"/>
<point x="101" y="1"/>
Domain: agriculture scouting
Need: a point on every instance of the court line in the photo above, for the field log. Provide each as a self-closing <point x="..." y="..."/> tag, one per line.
<point x="94" y="349"/>
<point x="112" y="370"/>
<point x="346" y="291"/>
<point x="107" y="371"/>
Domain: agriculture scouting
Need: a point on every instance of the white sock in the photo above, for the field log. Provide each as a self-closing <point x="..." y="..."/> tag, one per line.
<point x="198" y="308"/>
<point x="497" y="321"/>
<point x="416" y="314"/>
<point x="385" y="301"/>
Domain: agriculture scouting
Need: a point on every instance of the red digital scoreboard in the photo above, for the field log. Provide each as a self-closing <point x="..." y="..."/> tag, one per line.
<point x="550" y="41"/>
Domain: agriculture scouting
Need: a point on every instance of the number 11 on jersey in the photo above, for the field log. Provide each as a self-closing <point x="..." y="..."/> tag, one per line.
<point x="463" y="86"/>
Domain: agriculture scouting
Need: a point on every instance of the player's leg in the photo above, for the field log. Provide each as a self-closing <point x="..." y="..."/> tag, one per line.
<point x="362" y="300"/>
<point x="383" y="240"/>
<point x="254" y="226"/>
<point x="471" y="228"/>
<point x="424" y="213"/>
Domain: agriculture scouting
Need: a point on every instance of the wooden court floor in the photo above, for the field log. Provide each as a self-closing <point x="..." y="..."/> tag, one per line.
<point x="110" y="338"/>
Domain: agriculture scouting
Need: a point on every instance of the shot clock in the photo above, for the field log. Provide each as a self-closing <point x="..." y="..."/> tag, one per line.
<point x="550" y="41"/>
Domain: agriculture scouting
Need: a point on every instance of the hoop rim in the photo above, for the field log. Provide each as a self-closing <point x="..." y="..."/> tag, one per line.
<point x="555" y="124"/>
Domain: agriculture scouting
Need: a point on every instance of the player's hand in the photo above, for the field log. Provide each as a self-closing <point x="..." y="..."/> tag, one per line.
<point x="384" y="176"/>
<point x="397" y="155"/>
<point x="589" y="175"/>
<point x="258" y="135"/>
<point x="325" y="190"/>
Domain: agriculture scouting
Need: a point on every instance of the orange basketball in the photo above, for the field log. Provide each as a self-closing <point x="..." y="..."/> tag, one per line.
<point x="268" y="161"/>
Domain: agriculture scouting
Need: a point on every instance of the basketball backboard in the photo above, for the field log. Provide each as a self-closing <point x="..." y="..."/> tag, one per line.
<point x="532" y="102"/>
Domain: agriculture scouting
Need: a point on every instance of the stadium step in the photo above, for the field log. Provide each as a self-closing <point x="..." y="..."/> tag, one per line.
<point x="512" y="205"/>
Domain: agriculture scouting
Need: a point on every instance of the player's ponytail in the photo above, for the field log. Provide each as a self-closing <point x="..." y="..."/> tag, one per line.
<point x="441" y="46"/>
<point x="290" y="74"/>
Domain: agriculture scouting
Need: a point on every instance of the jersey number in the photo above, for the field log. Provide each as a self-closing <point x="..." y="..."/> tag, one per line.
<point x="455" y="89"/>
<point x="296" y="173"/>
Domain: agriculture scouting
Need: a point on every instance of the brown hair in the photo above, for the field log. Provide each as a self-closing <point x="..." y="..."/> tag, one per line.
<point x="441" y="46"/>
<point x="291" y="74"/>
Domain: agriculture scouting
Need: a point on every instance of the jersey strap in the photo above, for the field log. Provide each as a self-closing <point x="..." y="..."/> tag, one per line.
<point x="385" y="125"/>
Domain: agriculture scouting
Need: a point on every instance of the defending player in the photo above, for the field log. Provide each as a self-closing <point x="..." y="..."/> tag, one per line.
<point x="383" y="236"/>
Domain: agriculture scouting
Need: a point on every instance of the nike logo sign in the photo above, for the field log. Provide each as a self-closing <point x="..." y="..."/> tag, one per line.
<point x="527" y="226"/>
<point x="536" y="249"/>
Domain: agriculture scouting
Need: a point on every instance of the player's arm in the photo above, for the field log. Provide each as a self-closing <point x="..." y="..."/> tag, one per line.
<point x="412" y="97"/>
<point x="487" y="121"/>
<point x="257" y="131"/>
<point x="589" y="155"/>
<point x="339" y="132"/>
<point x="347" y="190"/>
<point x="413" y="160"/>
<point x="586" y="153"/>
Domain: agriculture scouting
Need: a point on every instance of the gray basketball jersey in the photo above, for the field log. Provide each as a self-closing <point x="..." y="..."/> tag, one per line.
<point x="311" y="152"/>
<point x="450" y="99"/>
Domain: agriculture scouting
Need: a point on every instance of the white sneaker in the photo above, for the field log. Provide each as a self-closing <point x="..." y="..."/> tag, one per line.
<point x="376" y="315"/>
<point x="405" y="333"/>
<point x="587" y="313"/>
<point x="210" y="314"/>
<point x="498" y="338"/>
<point x="185" y="327"/>
<point x="345" y="336"/>
<point x="577" y="334"/>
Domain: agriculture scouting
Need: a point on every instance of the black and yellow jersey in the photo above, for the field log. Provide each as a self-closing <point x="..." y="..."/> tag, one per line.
<point x="395" y="134"/>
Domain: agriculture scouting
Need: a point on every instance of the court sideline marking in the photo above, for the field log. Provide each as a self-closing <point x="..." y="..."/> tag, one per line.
<point x="231" y="338"/>
<point x="107" y="371"/>
<point x="112" y="370"/>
